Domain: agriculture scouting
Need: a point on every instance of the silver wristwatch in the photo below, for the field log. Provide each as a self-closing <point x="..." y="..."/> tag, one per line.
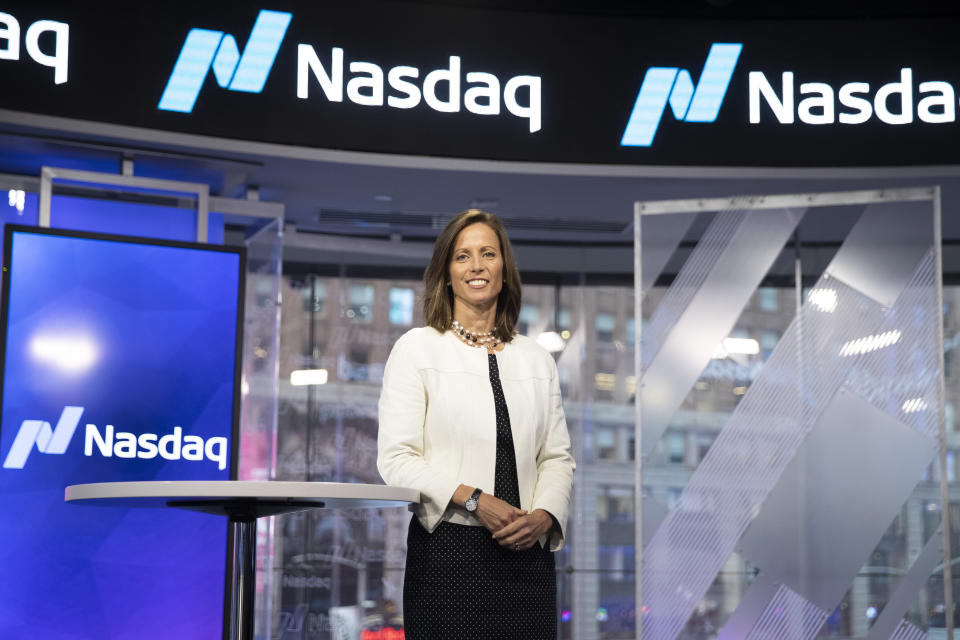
<point x="472" y="502"/>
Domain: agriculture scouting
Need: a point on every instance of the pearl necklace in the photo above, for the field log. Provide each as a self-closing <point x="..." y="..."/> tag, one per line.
<point x="485" y="339"/>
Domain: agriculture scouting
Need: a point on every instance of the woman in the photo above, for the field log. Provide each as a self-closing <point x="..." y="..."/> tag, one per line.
<point x="471" y="416"/>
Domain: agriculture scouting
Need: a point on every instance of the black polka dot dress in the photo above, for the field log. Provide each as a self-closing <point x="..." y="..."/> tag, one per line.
<point x="461" y="585"/>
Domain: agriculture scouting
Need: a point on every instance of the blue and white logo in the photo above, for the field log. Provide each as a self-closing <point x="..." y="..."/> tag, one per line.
<point x="204" y="49"/>
<point x="110" y="442"/>
<point x="689" y="104"/>
<point x="54" y="441"/>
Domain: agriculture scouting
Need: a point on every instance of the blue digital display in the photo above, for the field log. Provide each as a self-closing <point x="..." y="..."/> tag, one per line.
<point x="120" y="363"/>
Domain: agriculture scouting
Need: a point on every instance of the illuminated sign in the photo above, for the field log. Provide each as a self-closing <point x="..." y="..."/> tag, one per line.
<point x="58" y="59"/>
<point x="204" y="49"/>
<point x="366" y="87"/>
<point x="98" y="331"/>
<point x="488" y="84"/>
<point x="54" y="441"/>
<point x="688" y="103"/>
<point x="893" y="103"/>
<point x="938" y="104"/>
<point x="173" y="446"/>
<point x="441" y="88"/>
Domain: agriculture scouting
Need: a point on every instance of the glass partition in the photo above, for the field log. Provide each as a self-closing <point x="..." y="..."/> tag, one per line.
<point x="346" y="572"/>
<point x="790" y="415"/>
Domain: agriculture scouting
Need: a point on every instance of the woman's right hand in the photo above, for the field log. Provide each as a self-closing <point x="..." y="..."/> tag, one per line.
<point x="495" y="514"/>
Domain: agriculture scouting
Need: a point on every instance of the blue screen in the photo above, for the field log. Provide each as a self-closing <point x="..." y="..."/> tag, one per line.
<point x="120" y="364"/>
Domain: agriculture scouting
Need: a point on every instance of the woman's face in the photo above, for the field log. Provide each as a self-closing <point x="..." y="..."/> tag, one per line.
<point x="476" y="267"/>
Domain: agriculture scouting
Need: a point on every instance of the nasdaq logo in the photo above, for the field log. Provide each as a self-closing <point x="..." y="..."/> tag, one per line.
<point x="689" y="103"/>
<point x="205" y="49"/>
<point x="110" y="442"/>
<point x="38" y="432"/>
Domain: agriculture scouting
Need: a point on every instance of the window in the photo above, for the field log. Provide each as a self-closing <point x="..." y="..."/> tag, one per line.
<point x="768" y="340"/>
<point x="606" y="444"/>
<point x="314" y="297"/>
<point x="604" y="323"/>
<point x="768" y="299"/>
<point x="355" y="367"/>
<point x="401" y="306"/>
<point x="631" y="332"/>
<point x="675" y="447"/>
<point x="529" y="314"/>
<point x="360" y="300"/>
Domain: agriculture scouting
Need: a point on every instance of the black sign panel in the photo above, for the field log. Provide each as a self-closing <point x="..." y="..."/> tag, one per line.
<point x="563" y="88"/>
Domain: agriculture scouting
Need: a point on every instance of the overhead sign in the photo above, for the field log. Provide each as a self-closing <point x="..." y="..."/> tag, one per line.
<point x="57" y="54"/>
<point x="471" y="83"/>
<point x="205" y="49"/>
<point x="700" y="103"/>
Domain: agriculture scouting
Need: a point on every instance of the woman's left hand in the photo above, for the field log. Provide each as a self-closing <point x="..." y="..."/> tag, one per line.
<point x="524" y="532"/>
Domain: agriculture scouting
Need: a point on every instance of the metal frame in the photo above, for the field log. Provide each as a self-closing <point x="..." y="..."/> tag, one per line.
<point x="758" y="202"/>
<point x="200" y="190"/>
<point x="205" y="202"/>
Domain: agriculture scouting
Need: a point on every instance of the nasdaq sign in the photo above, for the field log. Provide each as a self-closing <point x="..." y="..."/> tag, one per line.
<point x="38" y="432"/>
<point x="689" y="103"/>
<point x="369" y="84"/>
<point x="205" y="49"/>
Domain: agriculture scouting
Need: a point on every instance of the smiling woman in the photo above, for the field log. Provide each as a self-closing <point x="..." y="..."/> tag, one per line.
<point x="474" y="245"/>
<point x="467" y="404"/>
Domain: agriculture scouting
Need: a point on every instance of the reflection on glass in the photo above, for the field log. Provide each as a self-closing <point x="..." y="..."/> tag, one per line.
<point x="71" y="353"/>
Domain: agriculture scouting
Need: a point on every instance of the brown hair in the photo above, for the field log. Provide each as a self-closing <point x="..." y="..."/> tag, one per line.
<point x="438" y="297"/>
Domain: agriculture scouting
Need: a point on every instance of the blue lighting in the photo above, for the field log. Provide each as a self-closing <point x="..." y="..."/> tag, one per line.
<point x="700" y="104"/>
<point x="204" y="49"/>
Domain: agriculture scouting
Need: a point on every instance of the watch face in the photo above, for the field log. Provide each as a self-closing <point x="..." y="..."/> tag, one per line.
<point x="471" y="504"/>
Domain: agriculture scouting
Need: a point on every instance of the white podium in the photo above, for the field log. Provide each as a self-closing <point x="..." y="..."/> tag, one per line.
<point x="242" y="503"/>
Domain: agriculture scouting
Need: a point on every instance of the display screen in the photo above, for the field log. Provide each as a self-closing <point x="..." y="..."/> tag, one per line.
<point x="120" y="363"/>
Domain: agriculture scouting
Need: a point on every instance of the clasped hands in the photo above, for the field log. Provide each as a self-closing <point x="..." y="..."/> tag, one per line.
<point x="511" y="527"/>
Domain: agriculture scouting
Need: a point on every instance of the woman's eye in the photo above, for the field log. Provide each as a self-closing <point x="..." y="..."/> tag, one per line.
<point x="490" y="254"/>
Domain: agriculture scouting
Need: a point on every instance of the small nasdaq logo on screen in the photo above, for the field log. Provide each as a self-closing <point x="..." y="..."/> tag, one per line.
<point x="38" y="432"/>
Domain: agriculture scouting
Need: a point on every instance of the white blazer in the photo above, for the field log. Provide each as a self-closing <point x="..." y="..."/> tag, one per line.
<point x="438" y="425"/>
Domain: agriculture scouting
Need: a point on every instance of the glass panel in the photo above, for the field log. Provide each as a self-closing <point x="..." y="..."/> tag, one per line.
<point x="338" y="571"/>
<point x="258" y="387"/>
<point x="787" y="490"/>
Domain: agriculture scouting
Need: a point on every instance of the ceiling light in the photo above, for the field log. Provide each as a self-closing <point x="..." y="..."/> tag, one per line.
<point x="823" y="299"/>
<point x="869" y="343"/>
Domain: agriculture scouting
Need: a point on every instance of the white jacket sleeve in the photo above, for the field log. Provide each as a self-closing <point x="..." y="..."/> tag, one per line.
<point x="555" y="466"/>
<point x="400" y="439"/>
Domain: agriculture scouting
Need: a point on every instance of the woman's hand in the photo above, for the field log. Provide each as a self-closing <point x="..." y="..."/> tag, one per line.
<point x="524" y="532"/>
<point x="495" y="514"/>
